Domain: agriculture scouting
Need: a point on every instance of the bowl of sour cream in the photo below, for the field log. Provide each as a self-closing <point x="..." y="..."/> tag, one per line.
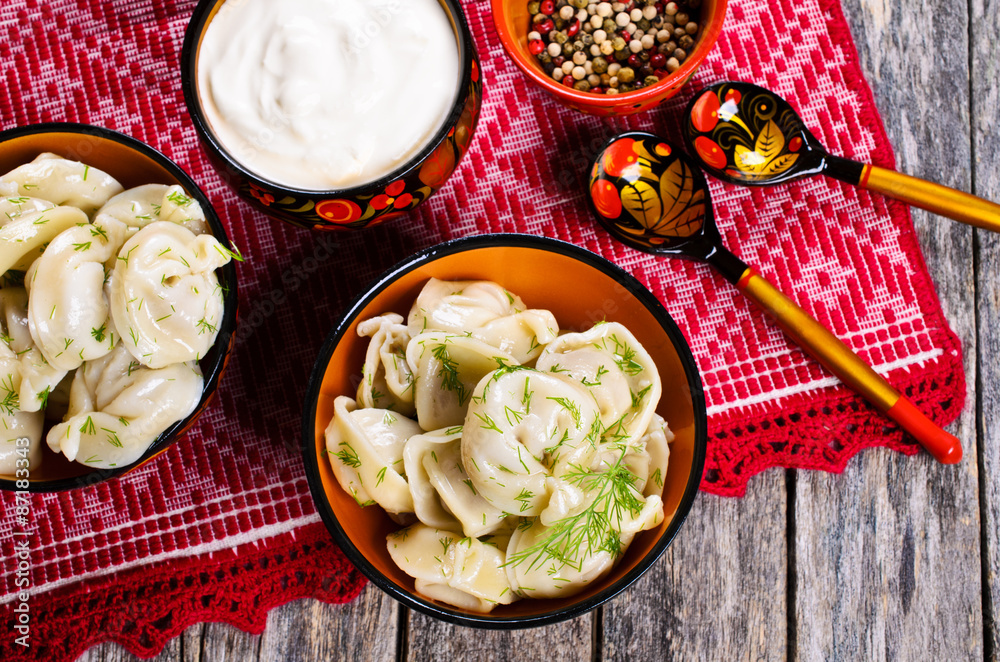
<point x="332" y="114"/>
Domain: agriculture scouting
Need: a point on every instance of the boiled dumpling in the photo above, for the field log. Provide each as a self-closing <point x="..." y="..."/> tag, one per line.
<point x="67" y="307"/>
<point x="25" y="238"/>
<point x="443" y="495"/>
<point x="463" y="572"/>
<point x="118" y="408"/>
<point x="386" y="378"/>
<point x="166" y="300"/>
<point x="138" y="207"/>
<point x="13" y="207"/>
<point x="615" y="368"/>
<point x="531" y="572"/>
<point x="63" y="182"/>
<point x="487" y="312"/>
<point x="366" y="453"/>
<point x="447" y="369"/>
<point x="523" y="427"/>
<point x="19" y="425"/>
<point x="30" y="377"/>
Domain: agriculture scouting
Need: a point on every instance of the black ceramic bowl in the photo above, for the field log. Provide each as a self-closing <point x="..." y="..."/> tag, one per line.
<point x="350" y="208"/>
<point x="132" y="163"/>
<point x="580" y="288"/>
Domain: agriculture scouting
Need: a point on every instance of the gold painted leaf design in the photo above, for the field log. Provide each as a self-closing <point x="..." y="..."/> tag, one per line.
<point x="770" y="142"/>
<point x="684" y="205"/>
<point x="747" y="160"/>
<point x="640" y="199"/>
<point x="779" y="165"/>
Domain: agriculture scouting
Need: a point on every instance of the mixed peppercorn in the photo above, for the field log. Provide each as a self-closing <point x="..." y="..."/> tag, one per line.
<point x="611" y="47"/>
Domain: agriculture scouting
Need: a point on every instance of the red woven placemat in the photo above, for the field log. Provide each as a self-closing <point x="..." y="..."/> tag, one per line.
<point x="221" y="527"/>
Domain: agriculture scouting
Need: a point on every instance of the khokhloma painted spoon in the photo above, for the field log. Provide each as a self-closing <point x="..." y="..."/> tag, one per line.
<point x="746" y="134"/>
<point x="652" y="197"/>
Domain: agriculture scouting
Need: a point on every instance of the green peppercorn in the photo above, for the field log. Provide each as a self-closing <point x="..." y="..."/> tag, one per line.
<point x="587" y="39"/>
<point x="609" y="26"/>
<point x="544" y="57"/>
<point x="582" y="85"/>
<point x="568" y="49"/>
<point x="558" y="37"/>
<point x="618" y="44"/>
<point x="534" y="7"/>
<point x="643" y="24"/>
<point x="622" y="55"/>
<point x="626" y="75"/>
<point x="625" y="87"/>
<point x="600" y="65"/>
<point x="650" y="80"/>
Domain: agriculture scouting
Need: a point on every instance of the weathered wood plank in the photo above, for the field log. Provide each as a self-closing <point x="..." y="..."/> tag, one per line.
<point x="888" y="554"/>
<point x="109" y="652"/>
<point x="718" y="593"/>
<point x="986" y="179"/>
<point x="310" y="630"/>
<point x="431" y="639"/>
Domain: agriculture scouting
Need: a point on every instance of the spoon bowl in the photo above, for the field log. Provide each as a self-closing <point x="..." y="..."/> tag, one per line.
<point x="746" y="134"/>
<point x="652" y="197"/>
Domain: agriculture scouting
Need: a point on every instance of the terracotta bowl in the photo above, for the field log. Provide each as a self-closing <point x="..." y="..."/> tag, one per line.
<point x="350" y="208"/>
<point x="512" y="21"/>
<point x="580" y="288"/>
<point x="132" y="163"/>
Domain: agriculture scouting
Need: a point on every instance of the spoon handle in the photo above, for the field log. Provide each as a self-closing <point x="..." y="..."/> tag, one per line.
<point x="838" y="358"/>
<point x="933" y="197"/>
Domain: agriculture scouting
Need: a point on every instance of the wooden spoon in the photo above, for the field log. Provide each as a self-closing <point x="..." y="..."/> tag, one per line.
<point x="653" y="198"/>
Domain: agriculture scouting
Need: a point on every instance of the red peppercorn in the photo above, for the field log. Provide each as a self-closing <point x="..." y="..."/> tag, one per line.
<point x="634" y="61"/>
<point x="558" y="61"/>
<point x="544" y="27"/>
<point x="536" y="46"/>
<point x="661" y="73"/>
<point x="573" y="28"/>
<point x="548" y="6"/>
<point x="568" y="80"/>
<point x="658" y="60"/>
<point x="659" y="7"/>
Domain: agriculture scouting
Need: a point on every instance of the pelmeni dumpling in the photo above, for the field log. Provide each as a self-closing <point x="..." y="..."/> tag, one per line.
<point x="13" y="207"/>
<point x="166" y="301"/>
<point x="447" y="368"/>
<point x="615" y="368"/>
<point x="67" y="306"/>
<point x="20" y="439"/>
<point x="648" y="458"/>
<point x="63" y="182"/>
<point x="535" y="574"/>
<point x="386" y="378"/>
<point x="487" y="312"/>
<point x="25" y="238"/>
<point x="138" y="207"/>
<point x="523" y="427"/>
<point x="443" y="495"/>
<point x="463" y="572"/>
<point x="118" y="408"/>
<point x="366" y="453"/>
<point x="28" y="374"/>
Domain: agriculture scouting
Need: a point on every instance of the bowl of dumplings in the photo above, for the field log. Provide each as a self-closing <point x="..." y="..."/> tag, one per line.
<point x="117" y="305"/>
<point x="504" y="431"/>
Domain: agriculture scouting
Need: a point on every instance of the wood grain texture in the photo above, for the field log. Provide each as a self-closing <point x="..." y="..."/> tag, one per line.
<point x="718" y="593"/>
<point x="431" y="639"/>
<point x="985" y="97"/>
<point x="888" y="554"/>
<point x="311" y="630"/>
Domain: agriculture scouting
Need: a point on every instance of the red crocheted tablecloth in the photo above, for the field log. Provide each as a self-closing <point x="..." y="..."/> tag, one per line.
<point x="222" y="527"/>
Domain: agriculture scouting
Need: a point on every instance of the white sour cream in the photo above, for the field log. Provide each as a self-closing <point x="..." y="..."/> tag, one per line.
<point x="327" y="94"/>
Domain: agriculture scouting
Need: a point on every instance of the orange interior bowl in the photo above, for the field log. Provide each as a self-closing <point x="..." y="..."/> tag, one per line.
<point x="132" y="163"/>
<point x="512" y="21"/>
<point x="580" y="288"/>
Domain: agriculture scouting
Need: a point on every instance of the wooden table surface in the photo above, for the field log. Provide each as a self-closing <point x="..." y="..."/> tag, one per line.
<point x="895" y="559"/>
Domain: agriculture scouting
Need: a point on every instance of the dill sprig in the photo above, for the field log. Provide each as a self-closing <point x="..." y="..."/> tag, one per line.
<point x="611" y="498"/>
<point x="448" y="373"/>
